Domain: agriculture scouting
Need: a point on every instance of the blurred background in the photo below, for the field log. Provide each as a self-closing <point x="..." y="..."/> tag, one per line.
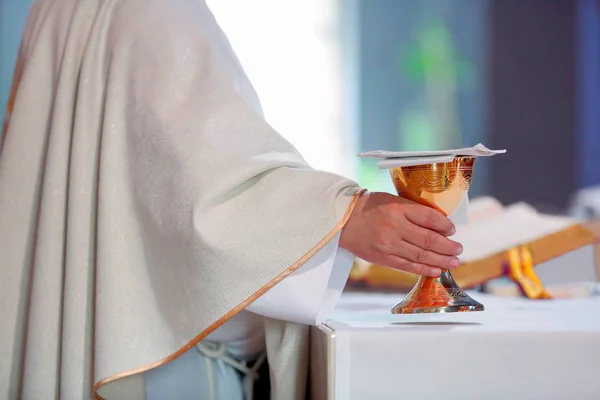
<point x="341" y="76"/>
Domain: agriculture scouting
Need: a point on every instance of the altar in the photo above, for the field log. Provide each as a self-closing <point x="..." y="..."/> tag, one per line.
<point x="515" y="349"/>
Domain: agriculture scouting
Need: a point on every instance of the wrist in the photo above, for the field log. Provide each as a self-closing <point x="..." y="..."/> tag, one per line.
<point x="348" y="231"/>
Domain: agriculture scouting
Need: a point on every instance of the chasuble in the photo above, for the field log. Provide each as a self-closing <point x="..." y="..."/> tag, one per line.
<point x="146" y="205"/>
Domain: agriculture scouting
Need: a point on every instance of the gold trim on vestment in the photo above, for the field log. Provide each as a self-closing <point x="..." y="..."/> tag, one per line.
<point x="236" y="309"/>
<point x="17" y="75"/>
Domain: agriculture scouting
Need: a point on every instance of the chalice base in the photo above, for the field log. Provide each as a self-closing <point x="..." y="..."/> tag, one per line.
<point x="436" y="295"/>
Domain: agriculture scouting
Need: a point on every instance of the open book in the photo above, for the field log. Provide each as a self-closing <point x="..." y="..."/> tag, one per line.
<point x="493" y="228"/>
<point x="562" y="249"/>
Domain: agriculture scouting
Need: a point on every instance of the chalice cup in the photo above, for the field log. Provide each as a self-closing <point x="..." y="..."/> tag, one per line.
<point x="442" y="186"/>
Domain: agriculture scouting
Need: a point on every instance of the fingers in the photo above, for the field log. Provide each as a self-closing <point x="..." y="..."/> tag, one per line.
<point x="430" y="240"/>
<point x="403" y="264"/>
<point x="401" y="234"/>
<point x="422" y="256"/>
<point x="429" y="218"/>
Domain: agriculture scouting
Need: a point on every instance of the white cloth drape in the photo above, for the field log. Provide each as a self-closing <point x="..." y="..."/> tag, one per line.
<point x="144" y="201"/>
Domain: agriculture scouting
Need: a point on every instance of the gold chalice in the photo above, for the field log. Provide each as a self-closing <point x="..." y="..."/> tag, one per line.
<point x="442" y="186"/>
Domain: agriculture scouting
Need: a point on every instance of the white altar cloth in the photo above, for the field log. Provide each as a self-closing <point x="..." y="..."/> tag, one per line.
<point x="515" y="349"/>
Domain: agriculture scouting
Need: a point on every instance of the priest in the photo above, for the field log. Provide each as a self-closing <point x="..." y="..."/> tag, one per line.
<point x="158" y="239"/>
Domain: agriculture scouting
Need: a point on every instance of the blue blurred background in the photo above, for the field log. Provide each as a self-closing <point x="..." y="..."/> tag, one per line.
<point x="341" y="76"/>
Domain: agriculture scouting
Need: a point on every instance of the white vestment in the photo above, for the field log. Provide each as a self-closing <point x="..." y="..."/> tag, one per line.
<point x="145" y="202"/>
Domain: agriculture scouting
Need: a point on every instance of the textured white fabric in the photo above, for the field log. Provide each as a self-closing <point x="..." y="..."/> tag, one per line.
<point x="286" y="345"/>
<point x="143" y="198"/>
<point x="310" y="294"/>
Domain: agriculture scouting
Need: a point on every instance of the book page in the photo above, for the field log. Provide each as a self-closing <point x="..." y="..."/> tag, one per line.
<point x="515" y="225"/>
<point x="483" y="207"/>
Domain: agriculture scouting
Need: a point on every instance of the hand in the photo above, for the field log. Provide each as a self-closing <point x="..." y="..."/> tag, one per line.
<point x="398" y="233"/>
